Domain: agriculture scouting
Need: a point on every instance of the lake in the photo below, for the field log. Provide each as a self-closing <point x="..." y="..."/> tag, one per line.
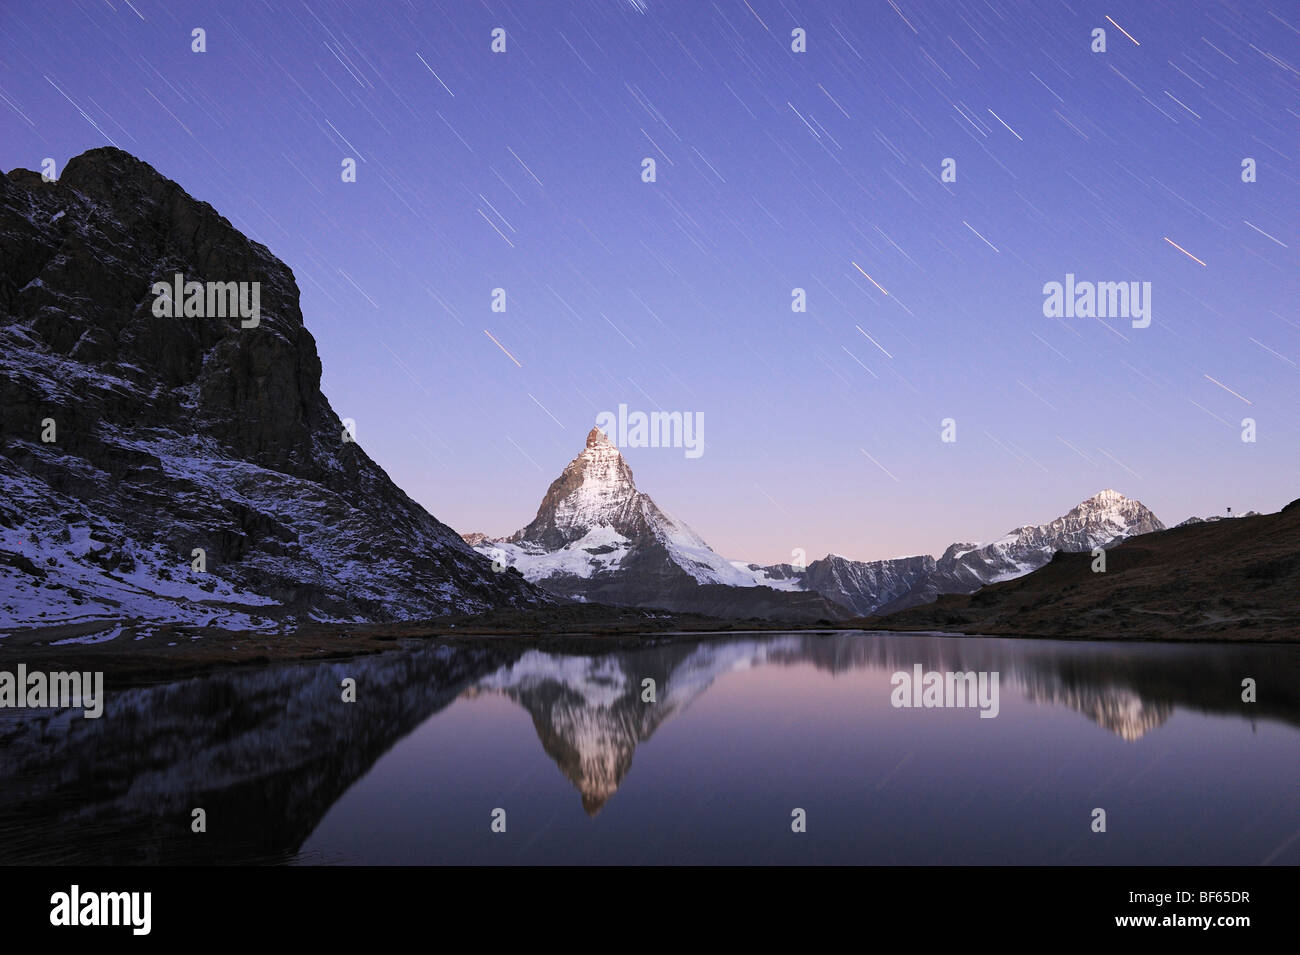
<point x="744" y="731"/>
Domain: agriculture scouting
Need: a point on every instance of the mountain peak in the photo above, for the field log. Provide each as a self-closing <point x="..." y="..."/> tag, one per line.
<point x="596" y="488"/>
<point x="596" y="536"/>
<point x="1108" y="496"/>
<point x="1112" y="507"/>
<point x="1102" y="518"/>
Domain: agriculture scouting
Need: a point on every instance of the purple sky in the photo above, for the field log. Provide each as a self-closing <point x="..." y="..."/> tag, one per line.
<point x="776" y="170"/>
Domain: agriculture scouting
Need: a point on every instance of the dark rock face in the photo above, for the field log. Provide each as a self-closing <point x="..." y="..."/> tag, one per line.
<point x="862" y="586"/>
<point x="177" y="433"/>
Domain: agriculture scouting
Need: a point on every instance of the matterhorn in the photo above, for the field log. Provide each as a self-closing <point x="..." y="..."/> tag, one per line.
<point x="597" y="538"/>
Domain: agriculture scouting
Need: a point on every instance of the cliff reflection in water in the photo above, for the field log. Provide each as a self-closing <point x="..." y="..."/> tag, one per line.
<point x="266" y="753"/>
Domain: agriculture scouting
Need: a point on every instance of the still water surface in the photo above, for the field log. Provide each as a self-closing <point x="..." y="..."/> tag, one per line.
<point x="745" y="729"/>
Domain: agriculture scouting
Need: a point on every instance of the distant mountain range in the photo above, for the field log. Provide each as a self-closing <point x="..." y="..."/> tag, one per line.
<point x="596" y="537"/>
<point x="132" y="441"/>
<point x="883" y="586"/>
<point x="1230" y="579"/>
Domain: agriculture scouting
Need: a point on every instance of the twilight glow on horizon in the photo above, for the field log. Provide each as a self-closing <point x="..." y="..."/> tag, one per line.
<point x="916" y="177"/>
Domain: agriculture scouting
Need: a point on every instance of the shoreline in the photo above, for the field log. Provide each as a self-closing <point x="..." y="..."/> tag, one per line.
<point x="167" y="652"/>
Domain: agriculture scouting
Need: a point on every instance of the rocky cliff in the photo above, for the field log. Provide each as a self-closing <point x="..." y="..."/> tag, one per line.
<point x="182" y="464"/>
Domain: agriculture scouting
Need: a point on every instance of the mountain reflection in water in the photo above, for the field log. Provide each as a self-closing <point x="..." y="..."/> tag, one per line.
<point x="270" y="753"/>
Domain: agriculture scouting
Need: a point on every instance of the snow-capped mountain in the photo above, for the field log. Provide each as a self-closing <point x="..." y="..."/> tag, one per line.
<point x="596" y="537"/>
<point x="593" y="509"/>
<point x="1103" y="520"/>
<point x="883" y="586"/>
<point x="186" y="469"/>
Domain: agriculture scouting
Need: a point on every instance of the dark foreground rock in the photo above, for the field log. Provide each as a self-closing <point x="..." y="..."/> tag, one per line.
<point x="132" y="440"/>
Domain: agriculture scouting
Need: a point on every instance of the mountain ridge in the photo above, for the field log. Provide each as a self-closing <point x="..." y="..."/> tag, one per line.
<point x="1233" y="579"/>
<point x="885" y="586"/>
<point x="596" y="537"/>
